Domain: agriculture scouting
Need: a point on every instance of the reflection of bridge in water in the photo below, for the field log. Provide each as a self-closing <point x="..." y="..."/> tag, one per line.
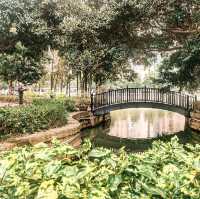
<point x="105" y="102"/>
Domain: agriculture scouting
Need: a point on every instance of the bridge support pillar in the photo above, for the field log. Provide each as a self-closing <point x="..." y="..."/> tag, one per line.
<point x="187" y="122"/>
<point x="194" y="122"/>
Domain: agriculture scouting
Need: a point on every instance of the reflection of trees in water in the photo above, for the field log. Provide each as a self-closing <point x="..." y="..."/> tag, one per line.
<point x="150" y="115"/>
<point x="143" y="123"/>
<point x="133" y="114"/>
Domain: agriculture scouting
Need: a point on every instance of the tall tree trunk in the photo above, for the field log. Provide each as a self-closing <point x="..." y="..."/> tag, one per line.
<point x="98" y="86"/>
<point x="61" y="85"/>
<point x="55" y="85"/>
<point x="90" y="85"/>
<point x="39" y="87"/>
<point x="82" y="85"/>
<point x="10" y="88"/>
<point x="85" y="78"/>
<point x="77" y="84"/>
<point x="21" y="94"/>
<point x="21" y="97"/>
<point x="70" y="89"/>
<point x="67" y="88"/>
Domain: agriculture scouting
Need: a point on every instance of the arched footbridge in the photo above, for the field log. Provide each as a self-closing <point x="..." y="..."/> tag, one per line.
<point x="111" y="100"/>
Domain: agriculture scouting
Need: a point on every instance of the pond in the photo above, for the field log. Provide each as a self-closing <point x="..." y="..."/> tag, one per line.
<point x="136" y="129"/>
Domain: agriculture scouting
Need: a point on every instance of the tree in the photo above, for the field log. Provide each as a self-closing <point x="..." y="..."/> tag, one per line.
<point x="182" y="68"/>
<point x="96" y="37"/>
<point x="27" y="28"/>
<point x="21" y="67"/>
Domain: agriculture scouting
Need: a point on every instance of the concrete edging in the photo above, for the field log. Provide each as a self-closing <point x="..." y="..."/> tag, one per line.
<point x="76" y="122"/>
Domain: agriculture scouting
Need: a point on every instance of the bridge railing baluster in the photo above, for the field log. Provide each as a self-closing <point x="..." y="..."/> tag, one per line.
<point x="172" y="94"/>
<point x="132" y="94"/>
<point x="170" y="98"/>
<point x="110" y="96"/>
<point x="167" y="98"/>
<point x="182" y="101"/>
<point x="157" y="95"/>
<point x="101" y="100"/>
<point x="142" y="94"/>
<point x="139" y="95"/>
<point x="125" y="95"/>
<point x="104" y="99"/>
<point x="115" y="95"/>
<point x="136" y="95"/>
<point x="128" y="94"/>
<point x="151" y="90"/>
<point x="127" y="100"/>
<point x="118" y="96"/>
<point x="146" y="95"/>
<point x="185" y="101"/>
<point x="96" y="101"/>
<point x="122" y="93"/>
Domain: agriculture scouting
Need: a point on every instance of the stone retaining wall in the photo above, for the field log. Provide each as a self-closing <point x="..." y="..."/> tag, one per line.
<point x="195" y="117"/>
<point x="69" y="134"/>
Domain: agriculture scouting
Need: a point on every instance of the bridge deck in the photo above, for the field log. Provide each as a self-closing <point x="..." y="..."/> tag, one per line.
<point x="141" y="98"/>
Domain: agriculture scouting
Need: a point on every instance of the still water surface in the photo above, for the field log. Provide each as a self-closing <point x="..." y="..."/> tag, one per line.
<point x="136" y="129"/>
<point x="145" y="123"/>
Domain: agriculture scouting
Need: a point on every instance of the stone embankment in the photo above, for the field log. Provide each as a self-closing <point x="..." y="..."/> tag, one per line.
<point x="68" y="134"/>
<point x="195" y="117"/>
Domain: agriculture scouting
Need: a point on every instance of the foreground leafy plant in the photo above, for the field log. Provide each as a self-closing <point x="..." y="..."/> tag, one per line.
<point x="168" y="170"/>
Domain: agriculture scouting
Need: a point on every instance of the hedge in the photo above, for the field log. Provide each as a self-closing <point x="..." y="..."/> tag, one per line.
<point x="68" y="103"/>
<point x="42" y="114"/>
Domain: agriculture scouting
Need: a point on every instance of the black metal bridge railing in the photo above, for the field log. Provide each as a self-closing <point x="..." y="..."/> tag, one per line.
<point x="143" y="95"/>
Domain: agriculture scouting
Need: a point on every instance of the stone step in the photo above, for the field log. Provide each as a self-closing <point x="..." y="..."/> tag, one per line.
<point x="195" y="124"/>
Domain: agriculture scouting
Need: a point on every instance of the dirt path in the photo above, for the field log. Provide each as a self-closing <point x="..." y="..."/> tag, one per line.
<point x="5" y="104"/>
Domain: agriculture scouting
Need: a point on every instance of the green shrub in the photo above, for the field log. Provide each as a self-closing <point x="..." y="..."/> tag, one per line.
<point x="167" y="171"/>
<point x="32" y="118"/>
<point x="68" y="103"/>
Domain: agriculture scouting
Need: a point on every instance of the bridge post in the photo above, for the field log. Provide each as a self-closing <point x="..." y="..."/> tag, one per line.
<point x="127" y="94"/>
<point x="145" y="94"/>
<point x="92" y="102"/>
<point x="188" y="102"/>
